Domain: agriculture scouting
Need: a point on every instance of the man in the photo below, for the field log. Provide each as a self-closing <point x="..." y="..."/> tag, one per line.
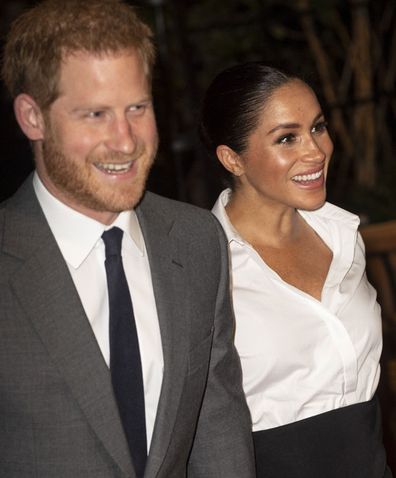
<point x="80" y="74"/>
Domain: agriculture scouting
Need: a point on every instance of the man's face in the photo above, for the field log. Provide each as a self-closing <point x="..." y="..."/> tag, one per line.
<point x="100" y="136"/>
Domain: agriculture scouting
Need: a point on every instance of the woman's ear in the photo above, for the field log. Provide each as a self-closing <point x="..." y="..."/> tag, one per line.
<point x="29" y="117"/>
<point x="230" y="160"/>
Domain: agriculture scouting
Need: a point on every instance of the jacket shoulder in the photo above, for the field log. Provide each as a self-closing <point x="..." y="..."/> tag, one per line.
<point x="179" y="210"/>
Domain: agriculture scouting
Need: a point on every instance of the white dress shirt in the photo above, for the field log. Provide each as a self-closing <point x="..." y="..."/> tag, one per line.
<point x="301" y="356"/>
<point x="80" y="242"/>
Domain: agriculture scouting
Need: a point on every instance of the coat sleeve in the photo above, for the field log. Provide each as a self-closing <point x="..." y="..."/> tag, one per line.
<point x="223" y="442"/>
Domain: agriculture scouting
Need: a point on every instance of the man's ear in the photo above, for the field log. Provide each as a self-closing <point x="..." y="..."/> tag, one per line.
<point x="29" y="117"/>
<point x="230" y="160"/>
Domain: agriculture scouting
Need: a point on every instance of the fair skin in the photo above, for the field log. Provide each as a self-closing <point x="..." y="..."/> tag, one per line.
<point x="96" y="143"/>
<point x="283" y="169"/>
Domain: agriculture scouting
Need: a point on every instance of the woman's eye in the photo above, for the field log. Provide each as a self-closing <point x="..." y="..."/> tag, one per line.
<point x="287" y="138"/>
<point x="320" y="127"/>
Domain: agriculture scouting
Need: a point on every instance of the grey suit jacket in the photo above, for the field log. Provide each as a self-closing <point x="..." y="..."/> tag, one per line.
<point x="58" y="417"/>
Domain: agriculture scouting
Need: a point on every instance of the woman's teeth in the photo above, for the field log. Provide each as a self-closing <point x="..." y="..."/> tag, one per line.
<point x="308" y="177"/>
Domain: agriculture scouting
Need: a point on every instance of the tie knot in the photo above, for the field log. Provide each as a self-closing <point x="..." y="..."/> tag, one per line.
<point x="112" y="240"/>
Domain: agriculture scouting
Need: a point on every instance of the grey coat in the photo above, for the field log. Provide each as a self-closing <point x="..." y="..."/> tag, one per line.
<point x="58" y="417"/>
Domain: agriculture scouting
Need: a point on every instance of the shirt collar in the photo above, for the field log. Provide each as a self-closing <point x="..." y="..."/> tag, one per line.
<point x="220" y="212"/>
<point x="338" y="229"/>
<point x="77" y="234"/>
<point x="344" y="223"/>
<point x="328" y="212"/>
<point x="335" y="213"/>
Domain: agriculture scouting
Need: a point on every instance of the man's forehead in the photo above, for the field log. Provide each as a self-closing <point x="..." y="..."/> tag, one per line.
<point x="85" y="74"/>
<point x="82" y="53"/>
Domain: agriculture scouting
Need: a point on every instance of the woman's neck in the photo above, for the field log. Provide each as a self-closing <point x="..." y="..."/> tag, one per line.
<point x="260" y="221"/>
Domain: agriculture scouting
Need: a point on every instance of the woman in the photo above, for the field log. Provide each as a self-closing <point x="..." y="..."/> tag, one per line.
<point x="308" y="327"/>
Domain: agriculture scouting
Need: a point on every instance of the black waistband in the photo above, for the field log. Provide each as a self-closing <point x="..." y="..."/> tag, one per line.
<point x="343" y="443"/>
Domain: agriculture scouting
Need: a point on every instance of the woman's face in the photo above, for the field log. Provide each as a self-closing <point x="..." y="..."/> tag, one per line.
<point x="288" y="154"/>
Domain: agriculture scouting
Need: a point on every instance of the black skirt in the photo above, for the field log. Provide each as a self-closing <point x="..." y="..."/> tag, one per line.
<point x="343" y="443"/>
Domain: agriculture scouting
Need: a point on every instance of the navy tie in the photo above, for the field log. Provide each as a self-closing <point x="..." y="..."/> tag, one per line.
<point x="125" y="363"/>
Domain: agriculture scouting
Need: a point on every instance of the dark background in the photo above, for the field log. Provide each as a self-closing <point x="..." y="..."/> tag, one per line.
<point x="346" y="49"/>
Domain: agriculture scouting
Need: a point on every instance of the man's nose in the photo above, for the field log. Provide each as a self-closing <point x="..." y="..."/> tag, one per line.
<point x="121" y="137"/>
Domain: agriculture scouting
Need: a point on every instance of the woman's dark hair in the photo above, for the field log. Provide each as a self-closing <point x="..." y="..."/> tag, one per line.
<point x="233" y="103"/>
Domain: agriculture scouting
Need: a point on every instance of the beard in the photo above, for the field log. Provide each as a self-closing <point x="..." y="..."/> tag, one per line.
<point x="81" y="185"/>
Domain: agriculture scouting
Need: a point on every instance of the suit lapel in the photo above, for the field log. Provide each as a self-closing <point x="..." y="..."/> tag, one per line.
<point x="47" y="295"/>
<point x="166" y="256"/>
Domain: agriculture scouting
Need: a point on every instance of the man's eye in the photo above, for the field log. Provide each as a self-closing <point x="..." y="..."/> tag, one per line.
<point x="138" y="109"/>
<point x="94" y="114"/>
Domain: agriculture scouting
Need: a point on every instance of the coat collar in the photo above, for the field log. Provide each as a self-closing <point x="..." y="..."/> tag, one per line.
<point x="167" y="253"/>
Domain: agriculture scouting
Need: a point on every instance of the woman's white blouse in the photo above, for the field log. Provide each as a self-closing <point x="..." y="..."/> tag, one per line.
<point x="300" y="356"/>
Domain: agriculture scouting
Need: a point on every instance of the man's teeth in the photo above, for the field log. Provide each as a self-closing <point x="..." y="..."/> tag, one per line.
<point x="308" y="177"/>
<point x="114" y="167"/>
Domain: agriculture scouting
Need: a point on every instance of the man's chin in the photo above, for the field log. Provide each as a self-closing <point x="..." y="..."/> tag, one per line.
<point x="117" y="205"/>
